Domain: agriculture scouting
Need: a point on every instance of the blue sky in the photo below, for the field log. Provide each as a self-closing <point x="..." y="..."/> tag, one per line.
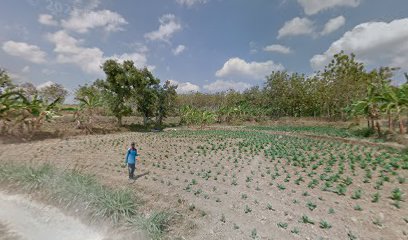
<point x="205" y="45"/>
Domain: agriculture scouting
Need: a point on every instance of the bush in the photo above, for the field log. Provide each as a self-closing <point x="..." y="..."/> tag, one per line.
<point x="363" y="132"/>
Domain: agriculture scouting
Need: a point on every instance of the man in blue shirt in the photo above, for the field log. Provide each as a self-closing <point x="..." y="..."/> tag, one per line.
<point x="130" y="160"/>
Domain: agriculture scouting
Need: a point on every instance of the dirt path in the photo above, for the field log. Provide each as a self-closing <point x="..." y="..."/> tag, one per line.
<point x="23" y="218"/>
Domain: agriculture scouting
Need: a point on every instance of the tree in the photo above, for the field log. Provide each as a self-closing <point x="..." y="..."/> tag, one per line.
<point x="395" y="100"/>
<point x="28" y="89"/>
<point x="145" y="93"/>
<point x="347" y="82"/>
<point x="367" y="107"/>
<point x="116" y="88"/>
<point x="165" y="101"/>
<point x="26" y="116"/>
<point x="126" y="84"/>
<point x="53" y="92"/>
<point x="5" y="81"/>
<point x="89" y="99"/>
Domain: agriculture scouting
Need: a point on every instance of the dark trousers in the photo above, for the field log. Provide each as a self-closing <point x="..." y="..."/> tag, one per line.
<point x="131" y="169"/>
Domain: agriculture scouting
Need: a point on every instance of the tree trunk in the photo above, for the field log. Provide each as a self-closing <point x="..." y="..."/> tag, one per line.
<point x="390" y="128"/>
<point x="368" y="122"/>
<point x="377" y="124"/>
<point x="144" y="120"/>
<point x="159" y="119"/>
<point x="119" y="118"/>
<point x="372" y="123"/>
<point x="401" y="123"/>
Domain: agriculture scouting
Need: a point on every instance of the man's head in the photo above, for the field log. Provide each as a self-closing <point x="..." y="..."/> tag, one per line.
<point x="132" y="144"/>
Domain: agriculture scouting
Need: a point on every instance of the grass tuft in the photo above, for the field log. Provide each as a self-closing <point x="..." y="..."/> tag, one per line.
<point x="156" y="224"/>
<point x="73" y="188"/>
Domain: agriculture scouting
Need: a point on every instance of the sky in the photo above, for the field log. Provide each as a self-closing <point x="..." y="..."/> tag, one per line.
<point x="201" y="45"/>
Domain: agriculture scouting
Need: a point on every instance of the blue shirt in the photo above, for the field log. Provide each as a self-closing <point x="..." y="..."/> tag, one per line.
<point x="131" y="156"/>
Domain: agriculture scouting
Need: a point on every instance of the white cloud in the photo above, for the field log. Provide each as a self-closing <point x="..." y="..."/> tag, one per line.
<point x="168" y="26"/>
<point x="26" y="69"/>
<point x="179" y="49"/>
<point x="312" y="7"/>
<point x="69" y="50"/>
<point x="185" y="87"/>
<point x="221" y="85"/>
<point x="278" y="48"/>
<point x="333" y="24"/>
<point x="297" y="26"/>
<point x="190" y="3"/>
<point x="81" y="21"/>
<point x="26" y="51"/>
<point x="46" y="84"/>
<point x="139" y="59"/>
<point x="47" y="19"/>
<point x="255" y="70"/>
<point x="373" y="43"/>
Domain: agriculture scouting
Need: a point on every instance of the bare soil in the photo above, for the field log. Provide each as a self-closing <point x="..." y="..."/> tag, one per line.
<point x="224" y="189"/>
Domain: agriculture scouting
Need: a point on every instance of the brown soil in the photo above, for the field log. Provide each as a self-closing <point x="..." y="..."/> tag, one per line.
<point x="232" y="195"/>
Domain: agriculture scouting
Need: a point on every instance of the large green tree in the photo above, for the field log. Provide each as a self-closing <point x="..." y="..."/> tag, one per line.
<point x="347" y="82"/>
<point x="166" y="98"/>
<point x="116" y="88"/>
<point x="126" y="85"/>
<point x="144" y="93"/>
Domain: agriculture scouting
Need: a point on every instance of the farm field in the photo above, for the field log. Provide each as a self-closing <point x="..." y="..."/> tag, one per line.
<point x="245" y="183"/>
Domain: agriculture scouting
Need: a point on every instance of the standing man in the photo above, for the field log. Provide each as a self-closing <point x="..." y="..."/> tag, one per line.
<point x="130" y="160"/>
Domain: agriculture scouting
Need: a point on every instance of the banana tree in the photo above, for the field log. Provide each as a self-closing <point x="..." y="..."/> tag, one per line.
<point x="369" y="108"/>
<point x="87" y="107"/>
<point x="25" y="116"/>
<point x="36" y="112"/>
<point x="206" y="118"/>
<point x="394" y="100"/>
<point x="12" y="104"/>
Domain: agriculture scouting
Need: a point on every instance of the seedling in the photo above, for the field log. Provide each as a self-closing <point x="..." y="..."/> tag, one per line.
<point x="283" y="225"/>
<point x="324" y="224"/>
<point x="306" y="219"/>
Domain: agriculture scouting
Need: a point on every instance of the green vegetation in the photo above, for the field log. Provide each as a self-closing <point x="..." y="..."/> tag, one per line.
<point x="318" y="130"/>
<point x="306" y="219"/>
<point x="324" y="224"/>
<point x="83" y="191"/>
<point x="125" y="84"/>
<point x="282" y="225"/>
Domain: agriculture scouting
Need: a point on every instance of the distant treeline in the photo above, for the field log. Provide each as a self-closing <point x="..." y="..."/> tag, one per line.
<point x="326" y="94"/>
<point x="343" y="89"/>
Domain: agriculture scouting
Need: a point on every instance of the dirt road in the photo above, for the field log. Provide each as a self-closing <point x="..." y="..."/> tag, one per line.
<point x="23" y="218"/>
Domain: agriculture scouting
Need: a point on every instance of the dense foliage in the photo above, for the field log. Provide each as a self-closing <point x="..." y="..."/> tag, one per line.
<point x="21" y="113"/>
<point x="127" y="90"/>
<point x="343" y="90"/>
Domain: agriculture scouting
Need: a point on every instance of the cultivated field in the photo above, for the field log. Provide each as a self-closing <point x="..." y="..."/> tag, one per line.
<point x="246" y="183"/>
